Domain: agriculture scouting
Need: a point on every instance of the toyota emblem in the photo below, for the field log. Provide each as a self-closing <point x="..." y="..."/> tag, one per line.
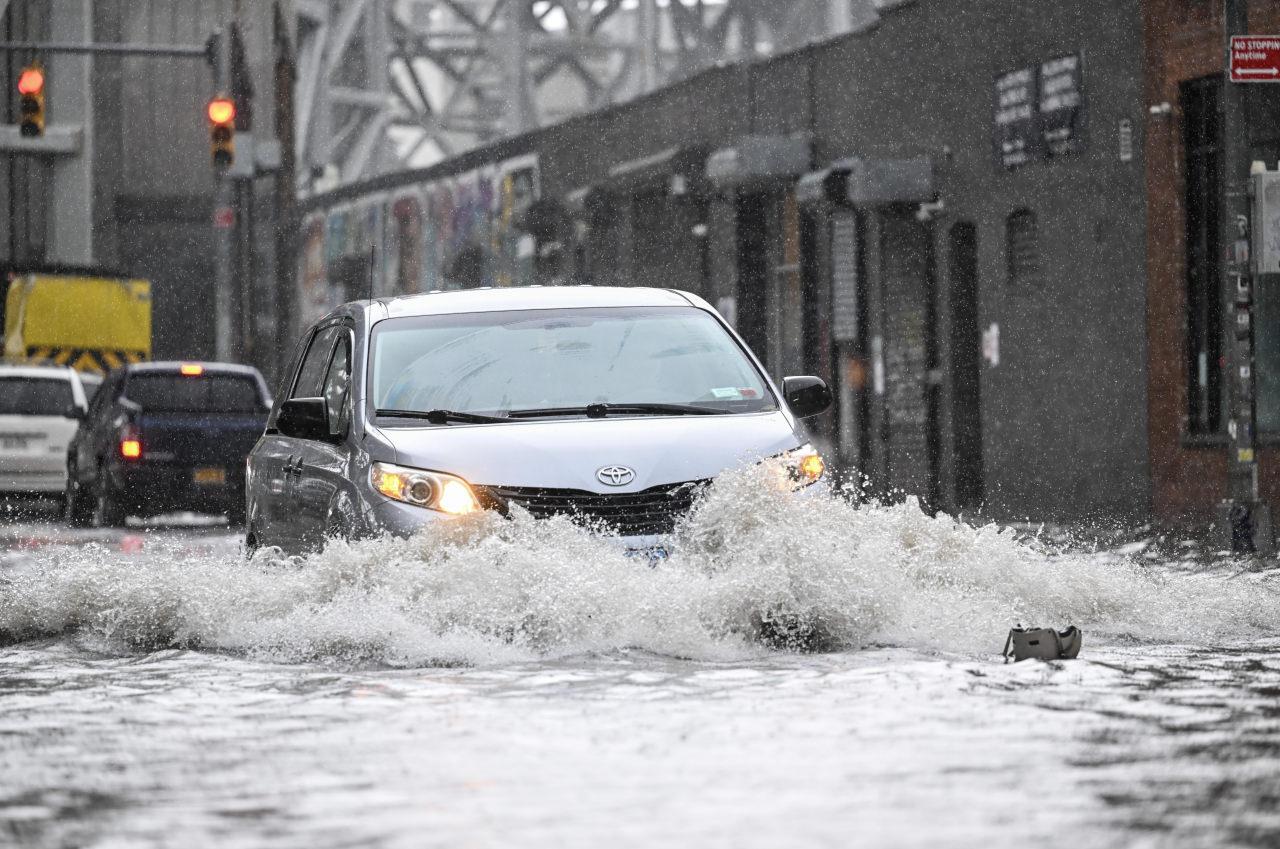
<point x="616" y="475"/>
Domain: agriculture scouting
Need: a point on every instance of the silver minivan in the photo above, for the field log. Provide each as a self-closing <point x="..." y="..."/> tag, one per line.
<point x="614" y="406"/>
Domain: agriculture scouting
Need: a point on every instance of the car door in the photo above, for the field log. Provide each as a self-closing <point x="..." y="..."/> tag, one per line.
<point x="270" y="462"/>
<point x="84" y="454"/>
<point x="278" y="459"/>
<point x="323" y="475"/>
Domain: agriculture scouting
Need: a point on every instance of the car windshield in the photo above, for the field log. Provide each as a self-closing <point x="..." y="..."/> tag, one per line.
<point x="34" y="396"/>
<point x="498" y="363"/>
<point x="179" y="393"/>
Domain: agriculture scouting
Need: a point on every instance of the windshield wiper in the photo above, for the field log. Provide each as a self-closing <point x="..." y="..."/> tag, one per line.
<point x="600" y="411"/>
<point x="439" y="417"/>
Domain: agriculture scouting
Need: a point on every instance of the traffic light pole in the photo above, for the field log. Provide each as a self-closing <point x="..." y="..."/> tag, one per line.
<point x="88" y="48"/>
<point x="1247" y="519"/>
<point x="224" y="226"/>
<point x="70" y="225"/>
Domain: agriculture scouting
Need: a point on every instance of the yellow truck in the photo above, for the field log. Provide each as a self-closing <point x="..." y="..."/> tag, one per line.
<point x="89" y="323"/>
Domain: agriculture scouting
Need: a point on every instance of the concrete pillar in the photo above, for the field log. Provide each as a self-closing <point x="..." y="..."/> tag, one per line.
<point x="70" y="102"/>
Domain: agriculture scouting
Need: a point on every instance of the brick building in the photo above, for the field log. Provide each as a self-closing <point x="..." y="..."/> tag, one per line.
<point x="1187" y="315"/>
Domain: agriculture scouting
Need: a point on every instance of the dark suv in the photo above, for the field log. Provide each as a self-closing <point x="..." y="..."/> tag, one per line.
<point x="160" y="437"/>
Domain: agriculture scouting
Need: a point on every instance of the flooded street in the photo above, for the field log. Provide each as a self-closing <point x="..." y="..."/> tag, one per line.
<point x="520" y="683"/>
<point x="640" y="424"/>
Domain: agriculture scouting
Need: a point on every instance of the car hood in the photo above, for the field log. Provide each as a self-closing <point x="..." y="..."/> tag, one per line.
<point x="566" y="454"/>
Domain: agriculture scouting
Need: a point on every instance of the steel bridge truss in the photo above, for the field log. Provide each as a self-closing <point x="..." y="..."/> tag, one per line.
<point x="385" y="83"/>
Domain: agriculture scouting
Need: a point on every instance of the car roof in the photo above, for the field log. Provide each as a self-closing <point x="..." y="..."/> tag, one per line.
<point x="176" y="365"/>
<point x="45" y="371"/>
<point x="535" y="298"/>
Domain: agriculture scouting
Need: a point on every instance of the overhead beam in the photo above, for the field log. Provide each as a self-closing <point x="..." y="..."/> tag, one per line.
<point x="459" y="72"/>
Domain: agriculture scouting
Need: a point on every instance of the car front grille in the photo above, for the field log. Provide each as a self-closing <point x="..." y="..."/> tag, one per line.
<point x="653" y="511"/>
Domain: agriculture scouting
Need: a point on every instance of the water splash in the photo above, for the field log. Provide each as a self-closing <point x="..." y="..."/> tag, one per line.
<point x="753" y="569"/>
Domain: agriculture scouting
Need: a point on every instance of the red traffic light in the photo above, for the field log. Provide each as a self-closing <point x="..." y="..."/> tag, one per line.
<point x="222" y="131"/>
<point x="222" y="110"/>
<point x="31" y="81"/>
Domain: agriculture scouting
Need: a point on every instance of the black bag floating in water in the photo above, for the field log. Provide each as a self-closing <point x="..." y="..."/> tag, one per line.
<point x="1042" y="644"/>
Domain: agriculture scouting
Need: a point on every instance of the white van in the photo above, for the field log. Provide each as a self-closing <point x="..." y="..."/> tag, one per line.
<point x="610" y="405"/>
<point x="40" y="409"/>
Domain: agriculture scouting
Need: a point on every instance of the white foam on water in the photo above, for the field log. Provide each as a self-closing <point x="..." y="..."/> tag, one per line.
<point x="491" y="590"/>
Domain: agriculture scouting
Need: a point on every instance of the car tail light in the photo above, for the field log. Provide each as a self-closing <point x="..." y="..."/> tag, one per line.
<point x="191" y="369"/>
<point x="130" y="443"/>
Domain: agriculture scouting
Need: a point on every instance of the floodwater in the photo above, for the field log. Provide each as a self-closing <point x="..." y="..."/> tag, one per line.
<point x="800" y="672"/>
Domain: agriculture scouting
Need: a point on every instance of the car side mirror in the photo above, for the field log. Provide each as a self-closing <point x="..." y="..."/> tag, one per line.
<point x="75" y="411"/>
<point x="304" y="418"/>
<point x="806" y="396"/>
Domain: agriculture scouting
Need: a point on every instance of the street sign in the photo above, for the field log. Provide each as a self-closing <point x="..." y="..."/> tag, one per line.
<point x="1255" y="58"/>
<point x="1016" y="128"/>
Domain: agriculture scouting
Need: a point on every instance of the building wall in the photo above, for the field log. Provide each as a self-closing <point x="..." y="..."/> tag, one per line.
<point x="1183" y="41"/>
<point x="153" y="184"/>
<point x="1063" y="414"/>
<point x="1063" y="410"/>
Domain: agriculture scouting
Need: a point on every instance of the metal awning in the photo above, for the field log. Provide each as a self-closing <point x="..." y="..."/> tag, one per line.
<point x="829" y="185"/>
<point x="758" y="159"/>
<point x="676" y="168"/>
<point x="870" y="182"/>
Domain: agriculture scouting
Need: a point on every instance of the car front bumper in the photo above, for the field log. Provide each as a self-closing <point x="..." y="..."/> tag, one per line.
<point x="404" y="520"/>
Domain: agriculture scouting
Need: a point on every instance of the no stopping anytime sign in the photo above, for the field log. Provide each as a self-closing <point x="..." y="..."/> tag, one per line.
<point x="1255" y="59"/>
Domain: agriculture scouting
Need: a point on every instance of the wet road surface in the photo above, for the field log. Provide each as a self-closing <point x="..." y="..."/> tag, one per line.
<point x="523" y="689"/>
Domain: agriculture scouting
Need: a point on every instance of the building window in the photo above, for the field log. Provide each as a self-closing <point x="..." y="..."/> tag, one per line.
<point x="1264" y="134"/>
<point x="1202" y="167"/>
<point x="1022" y="248"/>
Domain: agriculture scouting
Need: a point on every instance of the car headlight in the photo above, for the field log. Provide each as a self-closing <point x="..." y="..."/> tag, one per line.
<point x="803" y="466"/>
<point x="431" y="490"/>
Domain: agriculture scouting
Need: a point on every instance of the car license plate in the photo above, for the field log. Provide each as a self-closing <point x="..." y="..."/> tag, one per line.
<point x="209" y="476"/>
<point x="13" y="442"/>
<point x="654" y="554"/>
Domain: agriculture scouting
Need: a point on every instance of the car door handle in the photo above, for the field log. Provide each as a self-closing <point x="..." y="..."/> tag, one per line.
<point x="293" y="467"/>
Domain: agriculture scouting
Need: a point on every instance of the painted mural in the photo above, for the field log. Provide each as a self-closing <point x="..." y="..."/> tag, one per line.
<point x="459" y="232"/>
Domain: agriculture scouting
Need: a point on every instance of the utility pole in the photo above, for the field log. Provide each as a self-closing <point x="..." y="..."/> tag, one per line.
<point x="224" y="221"/>
<point x="244" y="306"/>
<point x="1247" y="518"/>
<point x="286" y="223"/>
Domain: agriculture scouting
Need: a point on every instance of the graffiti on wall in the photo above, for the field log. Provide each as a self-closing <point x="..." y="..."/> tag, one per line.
<point x="459" y="232"/>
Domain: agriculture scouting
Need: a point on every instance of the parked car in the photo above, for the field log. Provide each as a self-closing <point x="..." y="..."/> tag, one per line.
<point x="165" y="436"/>
<point x="612" y="405"/>
<point x="40" y="407"/>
